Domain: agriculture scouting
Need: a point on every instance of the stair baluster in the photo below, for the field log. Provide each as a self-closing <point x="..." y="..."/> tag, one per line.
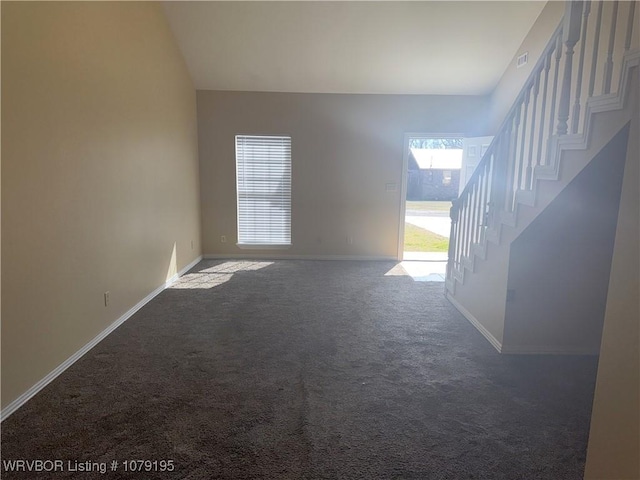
<point x="521" y="162"/>
<point x="456" y="219"/>
<point x="541" y="128"/>
<point x="453" y="236"/>
<point x="632" y="12"/>
<point x="459" y="237"/>
<point x="498" y="176"/>
<point x="471" y="209"/>
<point x="529" y="169"/>
<point x="554" y="95"/>
<point x="571" y="35"/>
<point x="467" y="222"/>
<point x="583" y="43"/>
<point x="596" y="43"/>
<point x="482" y="211"/>
<point x="511" y="166"/>
<point x="503" y="193"/>
<point x="464" y="213"/>
<point x="608" y="65"/>
<point x="492" y="202"/>
<point x="475" y="207"/>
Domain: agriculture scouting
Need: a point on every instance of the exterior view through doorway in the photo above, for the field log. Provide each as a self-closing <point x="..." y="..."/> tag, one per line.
<point x="432" y="166"/>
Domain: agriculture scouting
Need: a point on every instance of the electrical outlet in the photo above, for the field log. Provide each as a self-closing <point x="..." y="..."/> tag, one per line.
<point x="107" y="297"/>
<point x="223" y="239"/>
<point x="350" y="240"/>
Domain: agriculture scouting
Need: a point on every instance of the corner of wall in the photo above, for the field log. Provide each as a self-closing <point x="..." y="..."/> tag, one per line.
<point x="614" y="439"/>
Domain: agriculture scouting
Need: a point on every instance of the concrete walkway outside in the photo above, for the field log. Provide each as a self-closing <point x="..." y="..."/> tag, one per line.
<point x="440" y="225"/>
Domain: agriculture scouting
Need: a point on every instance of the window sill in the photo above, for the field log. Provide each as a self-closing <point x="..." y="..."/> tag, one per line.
<point x="258" y="246"/>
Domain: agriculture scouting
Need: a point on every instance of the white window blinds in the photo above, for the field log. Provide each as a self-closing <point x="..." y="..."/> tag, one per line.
<point x="263" y="183"/>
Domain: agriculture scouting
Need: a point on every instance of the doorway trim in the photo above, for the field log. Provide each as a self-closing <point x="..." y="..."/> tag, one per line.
<point x="403" y="184"/>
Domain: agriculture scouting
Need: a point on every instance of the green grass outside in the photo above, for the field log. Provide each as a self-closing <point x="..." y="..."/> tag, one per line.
<point x="427" y="205"/>
<point x="418" y="239"/>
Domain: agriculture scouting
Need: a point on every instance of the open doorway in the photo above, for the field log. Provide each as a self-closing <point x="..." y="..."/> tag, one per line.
<point x="432" y="167"/>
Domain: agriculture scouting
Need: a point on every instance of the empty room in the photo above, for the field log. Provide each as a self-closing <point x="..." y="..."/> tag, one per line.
<point x="207" y="270"/>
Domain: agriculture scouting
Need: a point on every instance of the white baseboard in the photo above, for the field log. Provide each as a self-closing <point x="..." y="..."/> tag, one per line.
<point x="267" y="256"/>
<point x="26" y="396"/>
<point x="474" y="321"/>
<point x="519" y="349"/>
<point x="546" y="350"/>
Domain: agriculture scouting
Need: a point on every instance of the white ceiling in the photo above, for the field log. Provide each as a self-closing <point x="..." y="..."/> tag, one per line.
<point x="416" y="47"/>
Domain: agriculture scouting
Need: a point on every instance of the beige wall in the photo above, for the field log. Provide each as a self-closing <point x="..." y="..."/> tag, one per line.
<point x="614" y="440"/>
<point x="345" y="149"/>
<point x="99" y="174"/>
<point x="0" y="189"/>
<point x="484" y="292"/>
<point x="513" y="78"/>
<point x="559" y="265"/>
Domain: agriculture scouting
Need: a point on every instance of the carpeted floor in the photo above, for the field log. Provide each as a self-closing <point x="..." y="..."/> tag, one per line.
<point x="308" y="370"/>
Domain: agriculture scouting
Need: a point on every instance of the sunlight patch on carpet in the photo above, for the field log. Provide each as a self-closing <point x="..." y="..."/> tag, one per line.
<point x="420" y="271"/>
<point x="217" y="274"/>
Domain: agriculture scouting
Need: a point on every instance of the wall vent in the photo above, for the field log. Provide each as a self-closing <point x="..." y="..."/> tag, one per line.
<point x="522" y="60"/>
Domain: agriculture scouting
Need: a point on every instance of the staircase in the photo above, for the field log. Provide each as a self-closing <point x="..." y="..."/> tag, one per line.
<point x="579" y="95"/>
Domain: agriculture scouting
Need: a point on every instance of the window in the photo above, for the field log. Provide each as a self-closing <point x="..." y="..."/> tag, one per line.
<point x="263" y="183"/>
<point x="446" y="177"/>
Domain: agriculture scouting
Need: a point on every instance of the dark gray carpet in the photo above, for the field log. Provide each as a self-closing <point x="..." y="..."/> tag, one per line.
<point x="309" y="370"/>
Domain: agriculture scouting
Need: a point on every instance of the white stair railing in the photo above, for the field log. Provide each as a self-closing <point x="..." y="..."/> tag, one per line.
<point x="551" y="104"/>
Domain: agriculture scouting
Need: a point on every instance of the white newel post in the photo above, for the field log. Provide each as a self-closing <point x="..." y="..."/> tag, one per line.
<point x="571" y="34"/>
